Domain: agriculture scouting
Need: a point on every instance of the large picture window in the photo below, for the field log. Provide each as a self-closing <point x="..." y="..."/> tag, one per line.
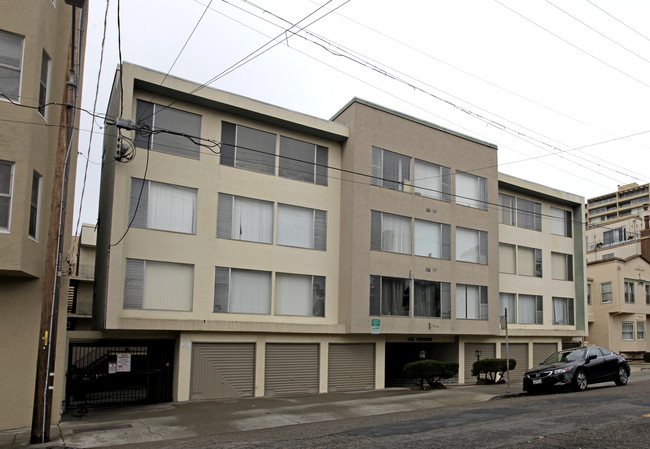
<point x="563" y="311"/>
<point x="614" y="236"/>
<point x="152" y="285"/>
<point x="390" y="170"/>
<point x="471" y="246"/>
<point x="561" y="222"/>
<point x="432" y="180"/>
<point x="471" y="302"/>
<point x="303" y="161"/>
<point x="529" y="261"/>
<point x="242" y="291"/>
<point x="390" y="232"/>
<point x="471" y="190"/>
<point x="529" y="214"/>
<point x="299" y="295"/>
<point x="165" y="207"/>
<point x="241" y="218"/>
<point x="432" y="299"/>
<point x="302" y="227"/>
<point x="11" y="55"/>
<point x="247" y="148"/>
<point x="158" y="117"/>
<point x="530" y="309"/>
<point x="389" y="296"/>
<point x="562" y="266"/>
<point x="432" y="239"/>
<point x="6" y="187"/>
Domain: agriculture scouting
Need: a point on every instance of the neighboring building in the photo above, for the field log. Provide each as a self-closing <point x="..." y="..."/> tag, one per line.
<point x="35" y="44"/>
<point x="628" y="201"/>
<point x="292" y="255"/>
<point x="618" y="238"/>
<point x="82" y="277"/>
<point x="542" y="270"/>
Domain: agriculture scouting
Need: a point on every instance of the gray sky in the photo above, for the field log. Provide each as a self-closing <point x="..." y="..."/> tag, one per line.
<point x="563" y="88"/>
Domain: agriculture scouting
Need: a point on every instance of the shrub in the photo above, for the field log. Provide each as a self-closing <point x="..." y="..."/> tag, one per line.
<point x="493" y="369"/>
<point x="646" y="357"/>
<point x="431" y="371"/>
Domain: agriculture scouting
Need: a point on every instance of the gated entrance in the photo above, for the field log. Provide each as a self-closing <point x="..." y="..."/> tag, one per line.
<point x="119" y="372"/>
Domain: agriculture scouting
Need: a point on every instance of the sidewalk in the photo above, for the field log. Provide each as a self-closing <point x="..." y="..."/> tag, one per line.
<point x="170" y="421"/>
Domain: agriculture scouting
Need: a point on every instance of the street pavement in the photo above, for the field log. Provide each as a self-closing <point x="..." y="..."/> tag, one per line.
<point x="104" y="427"/>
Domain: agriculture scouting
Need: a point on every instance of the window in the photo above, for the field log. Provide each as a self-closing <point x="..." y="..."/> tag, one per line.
<point x="432" y="239"/>
<point x="151" y="285"/>
<point x="432" y="180"/>
<point x="389" y="296"/>
<point x="606" y="292"/>
<point x="507" y="258"/>
<point x="471" y="246"/>
<point x="158" y="117"/>
<point x="607" y="256"/>
<point x="529" y="261"/>
<point x="508" y="301"/>
<point x="562" y="266"/>
<point x="628" y="287"/>
<point x="507" y="209"/>
<point x="471" y="190"/>
<point x="242" y="291"/>
<point x="247" y="148"/>
<point x="11" y="54"/>
<point x="627" y="328"/>
<point x="303" y="161"/>
<point x="6" y="187"/>
<point x="531" y="309"/>
<point x="34" y="205"/>
<point x="45" y="75"/>
<point x="240" y="218"/>
<point x="614" y="236"/>
<point x="302" y="227"/>
<point x="432" y="299"/>
<point x="589" y="294"/>
<point x="299" y="295"/>
<point x="471" y="302"/>
<point x="390" y="232"/>
<point x="640" y="330"/>
<point x="165" y="207"/>
<point x="647" y="293"/>
<point x="529" y="214"/>
<point x="563" y="311"/>
<point x="390" y="170"/>
<point x="561" y="222"/>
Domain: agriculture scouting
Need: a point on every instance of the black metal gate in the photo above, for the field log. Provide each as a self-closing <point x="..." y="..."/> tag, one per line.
<point x="119" y="372"/>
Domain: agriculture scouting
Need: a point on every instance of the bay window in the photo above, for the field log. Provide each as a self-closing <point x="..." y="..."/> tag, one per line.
<point x="165" y="207"/>
<point x="471" y="246"/>
<point x="471" y="190"/>
<point x="302" y="161"/>
<point x="471" y="302"/>
<point x="299" y="295"/>
<point x="390" y="232"/>
<point x="432" y="239"/>
<point x="389" y="296"/>
<point x="242" y="291"/>
<point x="302" y="227"/>
<point x="432" y="180"/>
<point x="240" y="218"/>
<point x="153" y="285"/>
<point x="432" y="299"/>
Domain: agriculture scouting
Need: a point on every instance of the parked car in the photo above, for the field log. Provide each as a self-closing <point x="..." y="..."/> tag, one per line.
<point x="576" y="368"/>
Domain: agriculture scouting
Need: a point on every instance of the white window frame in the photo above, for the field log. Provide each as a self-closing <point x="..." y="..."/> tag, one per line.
<point x="34" y="205"/>
<point x="7" y="196"/>
<point x="628" y="290"/>
<point x="538" y="309"/>
<point x="627" y="330"/>
<point x="18" y="69"/>
<point x="606" y="293"/>
<point x="640" y="330"/>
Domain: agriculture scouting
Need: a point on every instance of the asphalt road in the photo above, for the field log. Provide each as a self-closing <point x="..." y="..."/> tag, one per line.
<point x="603" y="416"/>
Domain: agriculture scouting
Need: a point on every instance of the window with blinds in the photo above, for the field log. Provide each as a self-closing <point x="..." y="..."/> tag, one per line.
<point x="390" y="170"/>
<point x="432" y="180"/>
<point x="11" y="54"/>
<point x="390" y="232"/>
<point x="471" y="190"/>
<point x="561" y="222"/>
<point x="303" y="161"/>
<point x="240" y="218"/>
<point x="529" y="214"/>
<point x="153" y="285"/>
<point x="247" y="148"/>
<point x="299" y="295"/>
<point x="165" y="207"/>
<point x="302" y="227"/>
<point x="242" y="291"/>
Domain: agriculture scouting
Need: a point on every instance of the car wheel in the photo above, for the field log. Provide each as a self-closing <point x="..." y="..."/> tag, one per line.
<point x="580" y="381"/>
<point x="621" y="377"/>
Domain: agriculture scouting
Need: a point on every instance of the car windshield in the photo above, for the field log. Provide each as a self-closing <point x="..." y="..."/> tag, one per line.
<point x="565" y="356"/>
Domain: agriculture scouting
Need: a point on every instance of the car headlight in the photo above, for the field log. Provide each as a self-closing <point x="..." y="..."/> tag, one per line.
<point x="562" y="370"/>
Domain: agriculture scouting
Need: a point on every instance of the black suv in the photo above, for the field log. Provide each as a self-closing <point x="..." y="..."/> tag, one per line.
<point x="575" y="368"/>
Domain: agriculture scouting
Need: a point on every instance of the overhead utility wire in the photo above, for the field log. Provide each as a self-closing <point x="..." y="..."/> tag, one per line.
<point x="619" y="21"/>
<point x="575" y="46"/>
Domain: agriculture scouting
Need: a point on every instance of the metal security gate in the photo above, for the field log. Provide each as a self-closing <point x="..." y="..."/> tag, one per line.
<point x="351" y="367"/>
<point x="518" y="352"/>
<point x="487" y="351"/>
<point x="118" y="372"/>
<point x="222" y="371"/>
<point x="541" y="351"/>
<point x="291" y="369"/>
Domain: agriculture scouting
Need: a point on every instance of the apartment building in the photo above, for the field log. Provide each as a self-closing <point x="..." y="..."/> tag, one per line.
<point x="542" y="275"/>
<point x="274" y="253"/>
<point x="628" y="201"/>
<point x="35" y="58"/>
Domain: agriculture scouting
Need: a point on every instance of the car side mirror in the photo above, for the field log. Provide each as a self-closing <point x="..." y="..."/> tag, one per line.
<point x="591" y="357"/>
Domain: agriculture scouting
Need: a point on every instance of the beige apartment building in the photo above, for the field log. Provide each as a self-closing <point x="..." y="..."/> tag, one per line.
<point x="35" y="52"/>
<point x="274" y="253"/>
<point x="628" y="201"/>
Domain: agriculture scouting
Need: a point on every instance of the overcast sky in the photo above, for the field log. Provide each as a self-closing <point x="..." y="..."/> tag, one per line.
<point x="562" y="87"/>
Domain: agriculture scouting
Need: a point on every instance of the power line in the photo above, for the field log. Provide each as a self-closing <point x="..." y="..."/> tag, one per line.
<point x="619" y="21"/>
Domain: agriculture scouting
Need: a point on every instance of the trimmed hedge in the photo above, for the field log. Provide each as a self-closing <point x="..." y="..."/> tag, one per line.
<point x="493" y="369"/>
<point x="431" y="371"/>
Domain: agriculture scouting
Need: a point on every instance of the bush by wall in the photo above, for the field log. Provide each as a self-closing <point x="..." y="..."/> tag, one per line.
<point x="492" y="369"/>
<point x="431" y="371"/>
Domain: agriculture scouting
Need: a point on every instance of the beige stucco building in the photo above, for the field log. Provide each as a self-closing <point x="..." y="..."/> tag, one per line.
<point x="35" y="43"/>
<point x="628" y="201"/>
<point x="275" y="253"/>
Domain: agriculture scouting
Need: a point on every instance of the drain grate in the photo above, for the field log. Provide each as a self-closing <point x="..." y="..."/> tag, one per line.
<point x="95" y="429"/>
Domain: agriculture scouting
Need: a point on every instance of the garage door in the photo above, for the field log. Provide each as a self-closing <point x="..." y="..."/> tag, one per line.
<point x="291" y="369"/>
<point x="519" y="352"/>
<point x="351" y="367"/>
<point x="222" y="371"/>
<point x="541" y="351"/>
<point x="488" y="351"/>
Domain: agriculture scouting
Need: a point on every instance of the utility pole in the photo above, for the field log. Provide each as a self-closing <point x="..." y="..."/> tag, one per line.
<point x="46" y="357"/>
